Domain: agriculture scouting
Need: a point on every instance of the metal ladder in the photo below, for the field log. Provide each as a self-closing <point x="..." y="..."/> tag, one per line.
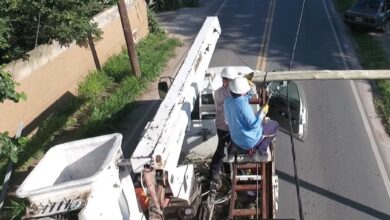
<point x="251" y="177"/>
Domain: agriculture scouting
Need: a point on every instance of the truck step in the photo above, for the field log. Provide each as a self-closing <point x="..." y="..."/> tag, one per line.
<point x="246" y="212"/>
<point x="248" y="187"/>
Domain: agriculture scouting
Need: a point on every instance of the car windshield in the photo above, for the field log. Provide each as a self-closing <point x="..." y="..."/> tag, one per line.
<point x="371" y="4"/>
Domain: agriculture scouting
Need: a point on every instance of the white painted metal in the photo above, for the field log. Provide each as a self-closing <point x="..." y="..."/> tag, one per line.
<point x="113" y="197"/>
<point x="82" y="175"/>
<point x="73" y="164"/>
<point x="195" y="148"/>
<point x="242" y="69"/>
<point x="244" y="177"/>
<point x="180" y="181"/>
<point x="275" y="194"/>
<point x="160" y="146"/>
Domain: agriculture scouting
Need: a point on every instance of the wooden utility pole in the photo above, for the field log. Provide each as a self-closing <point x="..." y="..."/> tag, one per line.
<point x="129" y="38"/>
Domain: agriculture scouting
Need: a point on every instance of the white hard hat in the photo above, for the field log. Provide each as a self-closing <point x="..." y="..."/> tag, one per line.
<point x="239" y="85"/>
<point x="230" y="73"/>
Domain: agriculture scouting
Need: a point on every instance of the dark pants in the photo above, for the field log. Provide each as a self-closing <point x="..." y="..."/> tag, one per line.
<point x="270" y="129"/>
<point x="217" y="160"/>
<point x="269" y="132"/>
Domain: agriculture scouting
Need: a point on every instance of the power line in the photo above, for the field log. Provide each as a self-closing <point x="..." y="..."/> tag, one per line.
<point x="296" y="178"/>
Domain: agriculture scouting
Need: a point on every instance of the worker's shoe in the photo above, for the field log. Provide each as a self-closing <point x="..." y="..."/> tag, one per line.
<point x="216" y="182"/>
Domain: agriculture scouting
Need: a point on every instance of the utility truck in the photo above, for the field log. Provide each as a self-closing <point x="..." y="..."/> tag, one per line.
<point x="91" y="179"/>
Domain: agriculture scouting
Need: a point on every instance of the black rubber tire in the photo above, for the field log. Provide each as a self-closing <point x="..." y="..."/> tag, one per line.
<point x="386" y="26"/>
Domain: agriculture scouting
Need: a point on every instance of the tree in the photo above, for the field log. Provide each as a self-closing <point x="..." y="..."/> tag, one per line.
<point x="7" y="88"/>
<point x="9" y="147"/>
<point x="64" y="21"/>
<point x="25" y="24"/>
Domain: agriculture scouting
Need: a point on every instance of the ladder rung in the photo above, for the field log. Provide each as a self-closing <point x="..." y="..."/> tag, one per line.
<point x="246" y="212"/>
<point x="247" y="166"/>
<point x="247" y="187"/>
<point x="248" y="177"/>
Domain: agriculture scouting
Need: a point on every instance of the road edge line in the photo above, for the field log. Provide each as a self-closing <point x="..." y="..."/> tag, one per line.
<point x="362" y="112"/>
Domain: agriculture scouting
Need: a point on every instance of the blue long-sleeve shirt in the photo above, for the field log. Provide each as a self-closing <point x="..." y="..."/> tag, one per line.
<point x="244" y="125"/>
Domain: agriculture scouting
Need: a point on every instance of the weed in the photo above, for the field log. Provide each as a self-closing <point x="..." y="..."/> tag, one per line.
<point x="370" y="50"/>
<point x="118" y="67"/>
<point x="372" y="56"/>
<point x="154" y="27"/>
<point x="103" y="98"/>
<point x="167" y="5"/>
<point x="190" y="3"/>
<point x="152" y="59"/>
<point x="16" y="209"/>
<point x="93" y="85"/>
<point x="101" y="102"/>
<point x="343" y="5"/>
<point x="383" y="103"/>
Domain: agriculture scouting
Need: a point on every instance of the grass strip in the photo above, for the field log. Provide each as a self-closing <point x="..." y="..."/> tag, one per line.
<point x="103" y="98"/>
<point x="372" y="56"/>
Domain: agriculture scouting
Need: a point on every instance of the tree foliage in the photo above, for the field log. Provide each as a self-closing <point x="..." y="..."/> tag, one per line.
<point x="7" y="88"/>
<point x="65" y="21"/>
<point x="26" y="23"/>
<point x="9" y="147"/>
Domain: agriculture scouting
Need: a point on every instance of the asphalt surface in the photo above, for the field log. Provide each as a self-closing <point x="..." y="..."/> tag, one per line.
<point x="338" y="171"/>
<point x="340" y="178"/>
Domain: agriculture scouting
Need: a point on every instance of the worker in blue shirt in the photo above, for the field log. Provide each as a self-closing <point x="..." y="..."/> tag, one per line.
<point x="246" y="127"/>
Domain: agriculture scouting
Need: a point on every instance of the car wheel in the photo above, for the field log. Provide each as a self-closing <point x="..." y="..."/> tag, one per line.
<point x="386" y="27"/>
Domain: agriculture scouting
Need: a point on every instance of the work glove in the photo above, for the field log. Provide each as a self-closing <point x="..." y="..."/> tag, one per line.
<point x="265" y="108"/>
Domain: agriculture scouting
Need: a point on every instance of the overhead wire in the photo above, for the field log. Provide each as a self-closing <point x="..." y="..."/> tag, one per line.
<point x="296" y="177"/>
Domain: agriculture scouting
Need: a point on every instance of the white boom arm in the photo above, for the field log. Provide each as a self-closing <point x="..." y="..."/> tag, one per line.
<point x="160" y="146"/>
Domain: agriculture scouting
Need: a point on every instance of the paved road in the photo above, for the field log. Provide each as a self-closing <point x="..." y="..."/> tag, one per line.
<point x="340" y="178"/>
<point x="339" y="173"/>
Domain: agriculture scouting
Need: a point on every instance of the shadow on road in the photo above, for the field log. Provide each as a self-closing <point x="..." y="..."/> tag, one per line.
<point x="363" y="208"/>
<point x="134" y="122"/>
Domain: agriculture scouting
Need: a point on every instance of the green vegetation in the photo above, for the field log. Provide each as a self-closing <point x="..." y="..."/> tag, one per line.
<point x="154" y="27"/>
<point x="9" y="147"/>
<point x="372" y="56"/>
<point x="7" y="85"/>
<point x="16" y="209"/>
<point x="25" y="24"/>
<point x="167" y="5"/>
<point x="343" y="5"/>
<point x="22" y="21"/>
<point x="104" y="97"/>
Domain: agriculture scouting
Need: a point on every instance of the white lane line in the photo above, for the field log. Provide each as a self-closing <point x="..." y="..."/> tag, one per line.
<point x="367" y="127"/>
<point x="220" y="7"/>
